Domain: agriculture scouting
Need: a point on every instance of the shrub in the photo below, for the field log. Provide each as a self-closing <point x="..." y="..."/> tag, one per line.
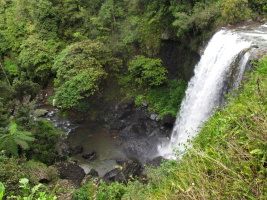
<point x="165" y="99"/>
<point x="11" y="170"/>
<point x="47" y="136"/>
<point x="87" y="192"/>
<point x="112" y="191"/>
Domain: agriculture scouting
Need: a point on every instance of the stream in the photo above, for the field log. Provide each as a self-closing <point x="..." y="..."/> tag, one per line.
<point x="91" y="136"/>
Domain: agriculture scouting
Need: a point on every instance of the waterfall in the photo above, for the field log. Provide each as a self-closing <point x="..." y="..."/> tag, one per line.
<point x="219" y="70"/>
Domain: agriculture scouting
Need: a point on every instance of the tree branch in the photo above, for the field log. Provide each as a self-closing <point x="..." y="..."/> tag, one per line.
<point x="5" y="74"/>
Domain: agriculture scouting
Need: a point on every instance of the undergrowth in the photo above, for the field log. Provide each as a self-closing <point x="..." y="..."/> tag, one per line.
<point x="165" y="99"/>
<point x="227" y="160"/>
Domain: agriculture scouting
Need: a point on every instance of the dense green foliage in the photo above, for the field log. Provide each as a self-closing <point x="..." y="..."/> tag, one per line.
<point x="5" y="102"/>
<point x="91" y="191"/>
<point x="165" y="99"/>
<point x="145" y="71"/>
<point x="80" y="68"/>
<point x="86" y="192"/>
<point x="46" y="137"/>
<point x="226" y="161"/>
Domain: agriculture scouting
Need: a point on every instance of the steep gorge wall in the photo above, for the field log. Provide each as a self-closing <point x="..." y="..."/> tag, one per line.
<point x="178" y="59"/>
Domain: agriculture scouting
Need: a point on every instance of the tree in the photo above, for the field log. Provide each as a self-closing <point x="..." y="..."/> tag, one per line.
<point x="12" y="28"/>
<point x="45" y="18"/>
<point x="146" y="71"/>
<point x="36" y="58"/>
<point x="14" y="139"/>
<point x="80" y="68"/>
<point x="235" y="10"/>
<point x="23" y="87"/>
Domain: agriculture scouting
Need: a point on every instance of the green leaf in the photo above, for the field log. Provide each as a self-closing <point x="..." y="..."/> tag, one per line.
<point x="257" y="152"/>
<point x="2" y="190"/>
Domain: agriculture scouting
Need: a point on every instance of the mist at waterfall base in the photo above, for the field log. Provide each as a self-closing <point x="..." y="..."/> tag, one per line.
<point x="219" y="70"/>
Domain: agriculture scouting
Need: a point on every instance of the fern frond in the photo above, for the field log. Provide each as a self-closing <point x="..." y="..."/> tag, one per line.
<point x="3" y="141"/>
<point x="22" y="136"/>
<point x="26" y="133"/>
<point x="22" y="143"/>
<point x="12" y="147"/>
<point x="12" y="127"/>
<point x="15" y="138"/>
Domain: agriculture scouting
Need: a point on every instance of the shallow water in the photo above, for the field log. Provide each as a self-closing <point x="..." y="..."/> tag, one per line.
<point x="93" y="136"/>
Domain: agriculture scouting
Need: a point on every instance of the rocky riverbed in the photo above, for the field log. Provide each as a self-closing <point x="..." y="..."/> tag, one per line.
<point x="119" y="139"/>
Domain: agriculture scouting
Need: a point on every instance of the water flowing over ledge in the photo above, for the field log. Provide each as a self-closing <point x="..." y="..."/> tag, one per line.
<point x="220" y="70"/>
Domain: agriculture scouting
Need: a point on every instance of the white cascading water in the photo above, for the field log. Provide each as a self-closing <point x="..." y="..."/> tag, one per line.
<point x="224" y="60"/>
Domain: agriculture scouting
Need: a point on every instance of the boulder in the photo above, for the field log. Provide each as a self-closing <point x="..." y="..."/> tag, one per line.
<point x="40" y="112"/>
<point x="63" y="151"/>
<point x="90" y="155"/>
<point x="130" y="167"/>
<point x="112" y="176"/>
<point x="76" y="149"/>
<point x="140" y="148"/>
<point x="93" y="173"/>
<point x="40" y="173"/>
<point x="156" y="162"/>
<point x="144" y="103"/>
<point x="70" y="171"/>
<point x="124" y="114"/>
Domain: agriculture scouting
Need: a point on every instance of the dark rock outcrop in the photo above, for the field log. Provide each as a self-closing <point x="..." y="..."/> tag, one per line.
<point x="76" y="149"/>
<point x="70" y="171"/>
<point x="156" y="162"/>
<point x="63" y="151"/>
<point x="168" y="121"/>
<point x="130" y="167"/>
<point x="90" y="155"/>
<point x="93" y="174"/>
<point x="178" y="59"/>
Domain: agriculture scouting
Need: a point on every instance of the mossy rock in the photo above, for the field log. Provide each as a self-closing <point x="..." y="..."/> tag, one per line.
<point x="40" y="173"/>
<point x="40" y="112"/>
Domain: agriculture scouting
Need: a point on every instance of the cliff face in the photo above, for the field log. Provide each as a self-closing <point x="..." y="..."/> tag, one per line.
<point x="178" y="59"/>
